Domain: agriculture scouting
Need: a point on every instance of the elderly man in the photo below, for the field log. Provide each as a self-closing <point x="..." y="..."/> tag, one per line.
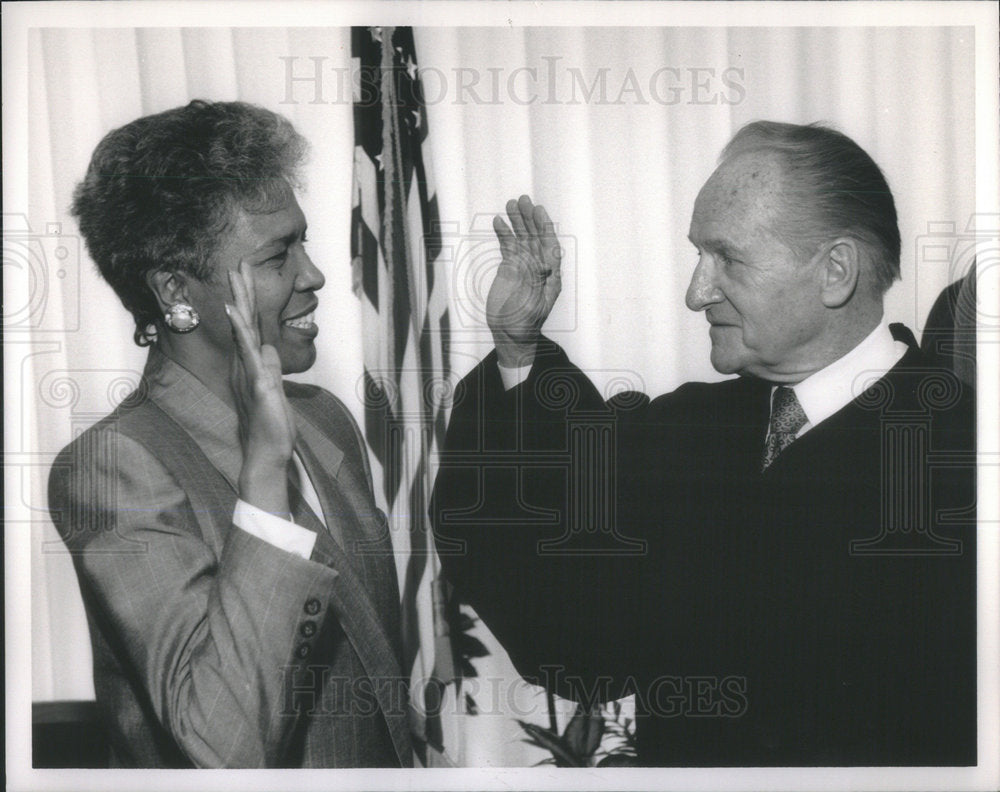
<point x="781" y="566"/>
<point x="238" y="577"/>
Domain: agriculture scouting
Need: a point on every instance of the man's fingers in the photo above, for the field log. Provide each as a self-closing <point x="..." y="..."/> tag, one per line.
<point x="512" y="250"/>
<point x="546" y="228"/>
<point x="552" y="254"/>
<point x="548" y="242"/>
<point x="533" y="243"/>
<point x="508" y="243"/>
<point x="520" y="212"/>
<point x="516" y="220"/>
<point x="526" y="208"/>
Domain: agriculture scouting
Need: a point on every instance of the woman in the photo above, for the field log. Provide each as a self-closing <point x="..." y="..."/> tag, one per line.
<point x="237" y="575"/>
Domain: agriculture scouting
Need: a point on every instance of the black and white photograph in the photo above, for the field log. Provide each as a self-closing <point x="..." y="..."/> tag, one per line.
<point x="440" y="395"/>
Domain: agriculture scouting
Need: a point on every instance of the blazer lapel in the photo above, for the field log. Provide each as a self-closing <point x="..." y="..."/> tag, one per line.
<point x="358" y="586"/>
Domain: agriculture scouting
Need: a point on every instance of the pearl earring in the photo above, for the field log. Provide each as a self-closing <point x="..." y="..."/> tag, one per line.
<point x="182" y="318"/>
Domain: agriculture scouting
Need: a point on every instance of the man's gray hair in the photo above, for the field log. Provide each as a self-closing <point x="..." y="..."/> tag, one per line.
<point x="833" y="189"/>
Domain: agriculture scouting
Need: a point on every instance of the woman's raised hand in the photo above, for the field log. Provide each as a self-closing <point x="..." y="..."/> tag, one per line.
<point x="267" y="423"/>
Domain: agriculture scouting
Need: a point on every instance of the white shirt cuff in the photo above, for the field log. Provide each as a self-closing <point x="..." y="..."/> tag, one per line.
<point x="512" y="377"/>
<point x="283" y="534"/>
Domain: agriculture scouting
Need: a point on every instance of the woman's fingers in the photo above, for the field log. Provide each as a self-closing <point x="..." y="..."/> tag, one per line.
<point x="272" y="363"/>
<point x="245" y="298"/>
<point x="246" y="342"/>
<point x="241" y="301"/>
<point x="246" y="274"/>
<point x="238" y="288"/>
<point x="267" y="427"/>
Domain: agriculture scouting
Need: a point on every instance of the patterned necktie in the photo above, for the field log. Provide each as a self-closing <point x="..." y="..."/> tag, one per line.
<point x="787" y="417"/>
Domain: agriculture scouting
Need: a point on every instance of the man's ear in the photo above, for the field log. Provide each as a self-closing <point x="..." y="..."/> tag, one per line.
<point x="169" y="288"/>
<point x="841" y="271"/>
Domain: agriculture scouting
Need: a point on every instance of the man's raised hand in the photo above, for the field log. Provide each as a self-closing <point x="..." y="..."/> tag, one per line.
<point x="526" y="284"/>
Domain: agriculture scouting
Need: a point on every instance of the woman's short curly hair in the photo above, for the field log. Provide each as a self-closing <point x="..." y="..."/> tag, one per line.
<point x="160" y="191"/>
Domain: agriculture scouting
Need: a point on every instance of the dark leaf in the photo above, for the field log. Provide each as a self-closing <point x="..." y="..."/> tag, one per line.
<point x="583" y="734"/>
<point x="465" y="622"/>
<point x="554" y="744"/>
<point x="619" y="760"/>
<point x="464" y="646"/>
<point x="471" y="647"/>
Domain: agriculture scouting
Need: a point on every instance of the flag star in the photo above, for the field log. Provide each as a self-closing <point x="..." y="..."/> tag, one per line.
<point x="411" y="68"/>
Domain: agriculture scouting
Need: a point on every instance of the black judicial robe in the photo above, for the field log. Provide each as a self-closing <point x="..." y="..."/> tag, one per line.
<point x="820" y="613"/>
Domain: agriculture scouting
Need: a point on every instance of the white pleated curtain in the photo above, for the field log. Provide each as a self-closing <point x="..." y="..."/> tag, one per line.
<point x="618" y="170"/>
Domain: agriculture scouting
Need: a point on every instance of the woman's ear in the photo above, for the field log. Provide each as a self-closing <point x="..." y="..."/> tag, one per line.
<point x="169" y="288"/>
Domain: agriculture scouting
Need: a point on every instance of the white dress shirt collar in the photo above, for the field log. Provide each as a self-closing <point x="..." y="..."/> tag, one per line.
<point x="831" y="388"/>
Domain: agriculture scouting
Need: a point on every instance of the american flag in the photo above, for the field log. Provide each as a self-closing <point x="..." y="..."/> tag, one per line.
<point x="395" y="248"/>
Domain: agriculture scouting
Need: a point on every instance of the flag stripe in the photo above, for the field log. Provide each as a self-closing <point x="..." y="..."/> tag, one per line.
<point x="396" y="242"/>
